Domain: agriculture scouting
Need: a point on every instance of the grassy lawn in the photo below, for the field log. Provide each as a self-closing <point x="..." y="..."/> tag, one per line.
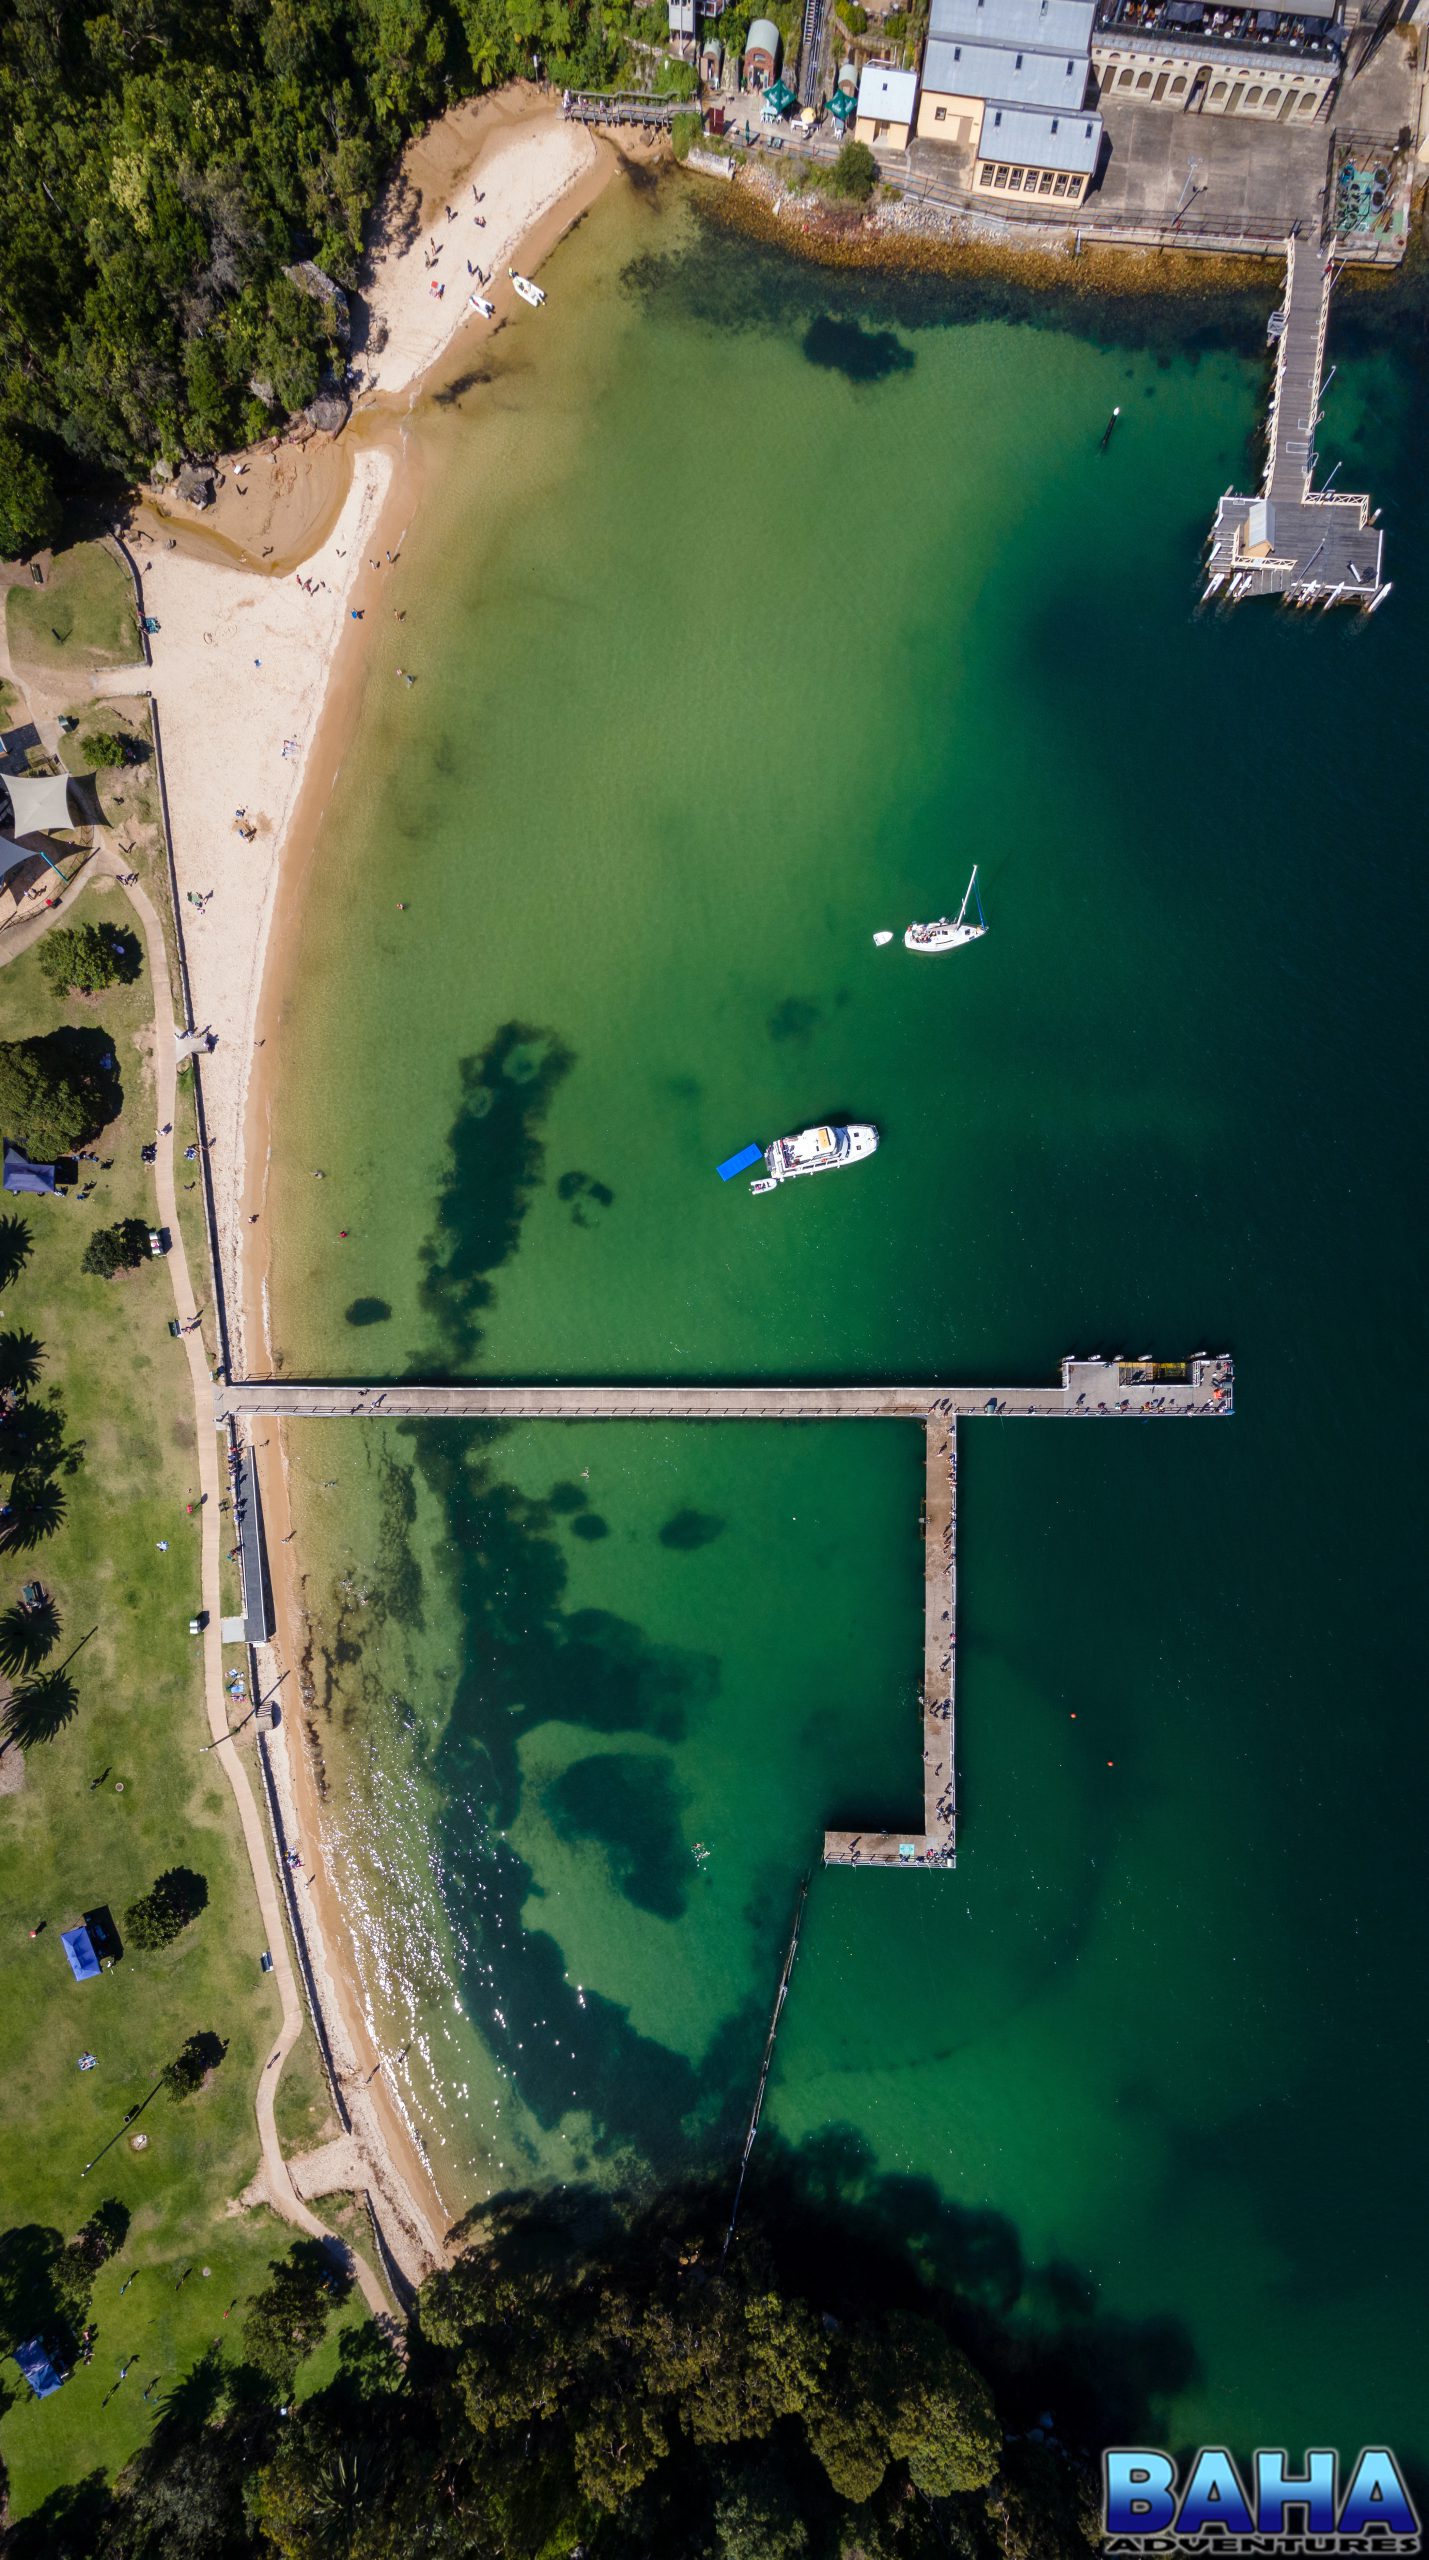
<point x="82" y="617"/>
<point x="120" y="1793"/>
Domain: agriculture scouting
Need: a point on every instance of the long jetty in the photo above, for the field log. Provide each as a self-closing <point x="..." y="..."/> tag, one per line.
<point x="1088" y="1390"/>
<point x="1312" y="546"/>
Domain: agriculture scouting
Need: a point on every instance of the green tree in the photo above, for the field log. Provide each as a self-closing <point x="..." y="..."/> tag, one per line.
<point x="29" y="510"/>
<point x="53" y="1098"/>
<point x="173" y="1901"/>
<point x="121" y="1247"/>
<point x="89" y="956"/>
<point x="289" y="2317"/>
<point x="191" y="2065"/>
<point x="104" y="749"/>
<point x="854" y="174"/>
<point x="941" y="2420"/>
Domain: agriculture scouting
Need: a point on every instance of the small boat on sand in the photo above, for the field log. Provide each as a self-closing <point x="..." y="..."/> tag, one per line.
<point x="528" y="291"/>
<point x="950" y="931"/>
<point x="478" y="302"/>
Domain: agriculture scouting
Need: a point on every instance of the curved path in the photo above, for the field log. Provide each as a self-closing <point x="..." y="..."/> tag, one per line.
<point x="275" y="2178"/>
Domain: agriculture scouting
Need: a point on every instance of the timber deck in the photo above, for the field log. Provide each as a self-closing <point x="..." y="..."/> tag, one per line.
<point x="1312" y="546"/>
<point x="1201" y="1388"/>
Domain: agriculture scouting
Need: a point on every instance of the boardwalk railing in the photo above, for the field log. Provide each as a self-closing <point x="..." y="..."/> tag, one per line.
<point x="621" y="106"/>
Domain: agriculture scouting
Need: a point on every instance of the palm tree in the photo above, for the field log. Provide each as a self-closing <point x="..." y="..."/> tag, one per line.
<point x="20" y="1358"/>
<point x="37" y="1508"/>
<point x="15" y="1249"/>
<point x="26" y="1636"/>
<point x="39" y="1710"/>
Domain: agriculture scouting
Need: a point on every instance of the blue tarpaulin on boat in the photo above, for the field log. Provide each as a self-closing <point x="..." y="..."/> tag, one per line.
<point x="79" y="1947"/>
<point x="736" y="1164"/>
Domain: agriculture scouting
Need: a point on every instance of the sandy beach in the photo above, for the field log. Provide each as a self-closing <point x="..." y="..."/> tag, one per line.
<point x="263" y="601"/>
<point x="264" y="605"/>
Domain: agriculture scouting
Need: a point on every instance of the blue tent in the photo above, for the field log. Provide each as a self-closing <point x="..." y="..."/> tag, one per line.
<point x="21" y="1175"/>
<point x="37" y="2368"/>
<point x="79" y="1947"/>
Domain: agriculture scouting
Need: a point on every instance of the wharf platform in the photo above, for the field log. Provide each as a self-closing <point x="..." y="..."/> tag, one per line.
<point x="1088" y="1389"/>
<point x="1312" y="546"/>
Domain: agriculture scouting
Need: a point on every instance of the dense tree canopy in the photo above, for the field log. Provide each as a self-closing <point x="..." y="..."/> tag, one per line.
<point x="173" y="1900"/>
<point x="165" y="163"/>
<point x="598" y="2379"/>
<point x="55" y="1093"/>
<point x="89" y="956"/>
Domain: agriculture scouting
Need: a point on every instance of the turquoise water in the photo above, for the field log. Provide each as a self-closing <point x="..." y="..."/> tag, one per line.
<point x="752" y="607"/>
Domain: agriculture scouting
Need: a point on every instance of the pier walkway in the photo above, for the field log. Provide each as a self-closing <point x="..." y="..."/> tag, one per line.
<point x="1311" y="546"/>
<point x="1088" y="1390"/>
<point x="613" y="107"/>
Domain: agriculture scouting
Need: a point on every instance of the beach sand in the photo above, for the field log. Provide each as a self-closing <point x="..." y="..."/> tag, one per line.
<point x="265" y="601"/>
<point x="265" y="604"/>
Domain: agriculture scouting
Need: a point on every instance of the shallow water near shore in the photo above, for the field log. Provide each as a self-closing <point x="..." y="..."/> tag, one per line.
<point x="750" y="606"/>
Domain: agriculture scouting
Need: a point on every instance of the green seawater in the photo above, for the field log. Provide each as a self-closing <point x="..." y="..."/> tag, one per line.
<point x="748" y="607"/>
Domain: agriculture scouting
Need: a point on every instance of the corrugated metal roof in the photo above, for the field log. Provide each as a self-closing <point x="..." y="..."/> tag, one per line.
<point x="1025" y="74"/>
<point x="884" y="92"/>
<point x="1061" y="26"/>
<point x="1029" y="134"/>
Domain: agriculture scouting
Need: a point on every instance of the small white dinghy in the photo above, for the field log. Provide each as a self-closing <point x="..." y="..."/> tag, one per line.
<point x="528" y="291"/>
<point x="881" y="938"/>
<point x="478" y="302"/>
<point x="949" y="931"/>
<point x="763" y="1186"/>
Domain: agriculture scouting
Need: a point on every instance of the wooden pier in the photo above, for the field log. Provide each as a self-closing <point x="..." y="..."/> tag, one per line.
<point x="1088" y="1390"/>
<point x="616" y="107"/>
<point x="1312" y="546"/>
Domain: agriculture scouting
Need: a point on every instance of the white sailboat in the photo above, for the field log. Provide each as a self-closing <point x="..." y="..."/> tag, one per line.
<point x="950" y="931"/>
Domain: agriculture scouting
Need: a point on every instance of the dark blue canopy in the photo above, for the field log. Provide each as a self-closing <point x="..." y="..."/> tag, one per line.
<point x="37" y="2368"/>
<point x="21" y="1175"/>
<point x="79" y="1947"/>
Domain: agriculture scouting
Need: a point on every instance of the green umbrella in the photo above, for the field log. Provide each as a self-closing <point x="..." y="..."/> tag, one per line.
<point x="842" y="105"/>
<point x="781" y="98"/>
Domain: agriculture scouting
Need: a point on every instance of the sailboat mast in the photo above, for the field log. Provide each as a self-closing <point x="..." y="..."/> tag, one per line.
<point x="967" y="893"/>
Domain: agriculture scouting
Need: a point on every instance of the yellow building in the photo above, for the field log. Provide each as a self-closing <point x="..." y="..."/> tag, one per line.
<point x="887" y="103"/>
<point x="1023" y="53"/>
<point x="1171" y="70"/>
<point x="1024" y="151"/>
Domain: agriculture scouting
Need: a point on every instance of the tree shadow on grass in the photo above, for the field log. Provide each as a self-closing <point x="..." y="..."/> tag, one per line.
<point x="69" y="2525"/>
<point x="26" y="1636"/>
<point x="37" y="1509"/>
<point x="21" y="1354"/>
<point x="16" y="1248"/>
<point x="38" y="1711"/>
